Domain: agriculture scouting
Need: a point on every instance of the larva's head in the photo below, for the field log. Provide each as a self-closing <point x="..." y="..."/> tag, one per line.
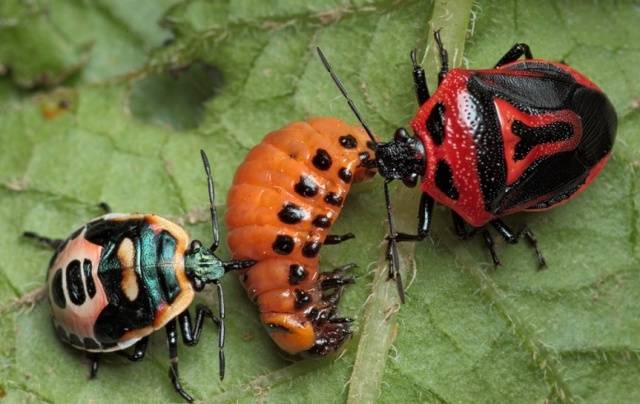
<point x="301" y="335"/>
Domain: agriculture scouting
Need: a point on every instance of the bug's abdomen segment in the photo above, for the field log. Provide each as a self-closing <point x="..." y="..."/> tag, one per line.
<point x="76" y="294"/>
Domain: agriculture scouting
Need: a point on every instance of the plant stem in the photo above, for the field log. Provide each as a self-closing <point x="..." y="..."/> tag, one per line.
<point x="379" y="327"/>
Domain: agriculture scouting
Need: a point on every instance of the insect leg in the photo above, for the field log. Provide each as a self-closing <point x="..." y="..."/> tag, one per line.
<point x="332" y="239"/>
<point x="444" y="57"/>
<point x="46" y="241"/>
<point x="419" y="80"/>
<point x="488" y="240"/>
<point x="336" y="278"/>
<point x="424" y="220"/>
<point x="514" y="54"/>
<point x="139" y="350"/>
<point x="512" y="238"/>
<point x="93" y="370"/>
<point x="460" y="227"/>
<point x="172" y="341"/>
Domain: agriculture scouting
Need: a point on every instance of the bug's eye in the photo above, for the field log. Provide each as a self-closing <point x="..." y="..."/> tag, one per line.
<point x="195" y="245"/>
<point x="401" y="135"/>
<point x="411" y="180"/>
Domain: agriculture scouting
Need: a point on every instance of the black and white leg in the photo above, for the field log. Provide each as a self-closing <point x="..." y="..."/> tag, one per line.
<point x="139" y="350"/>
<point x="512" y="237"/>
<point x="191" y="333"/>
<point x="444" y="57"/>
<point x="515" y="53"/>
<point x="488" y="240"/>
<point x="332" y="239"/>
<point x="93" y="369"/>
<point x="46" y="241"/>
<point x="419" y="80"/>
<point x="174" y="374"/>
<point x="336" y="278"/>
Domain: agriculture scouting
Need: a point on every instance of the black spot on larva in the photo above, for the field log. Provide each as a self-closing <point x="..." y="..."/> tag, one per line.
<point x="371" y="145"/>
<point x="75" y="340"/>
<point x="297" y="273"/>
<point x="322" y="160"/>
<point x="291" y="214"/>
<point x="333" y="199"/>
<point x="348" y="141"/>
<point x="345" y="175"/>
<point x="435" y="124"/>
<point x="245" y="277"/>
<point x="90" y="343"/>
<point x="306" y="186"/>
<point x="61" y="333"/>
<point x="302" y="298"/>
<point x="322" y="221"/>
<point x="283" y="244"/>
<point x="444" y="180"/>
<point x="311" y="248"/>
<point x="75" y="288"/>
<point x="57" y="293"/>
<point x="88" y="278"/>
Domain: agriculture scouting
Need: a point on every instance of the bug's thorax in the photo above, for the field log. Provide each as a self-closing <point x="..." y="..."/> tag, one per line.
<point x="403" y="158"/>
<point x="202" y="266"/>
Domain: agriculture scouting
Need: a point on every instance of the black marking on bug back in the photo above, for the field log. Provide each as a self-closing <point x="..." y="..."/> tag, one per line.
<point x="531" y="136"/>
<point x="297" y="273"/>
<point x="345" y="175"/>
<point x="61" y="333"/>
<point x="322" y="221"/>
<point x="75" y="340"/>
<point x="91" y="343"/>
<point x="311" y="248"/>
<point x="57" y="292"/>
<point x="302" y="298"/>
<point x="291" y="213"/>
<point x="333" y="199"/>
<point x="550" y="89"/>
<point x="560" y="174"/>
<point x="306" y="187"/>
<point x="444" y="180"/>
<point x="435" y="124"/>
<point x="599" y="124"/>
<point x="283" y="244"/>
<point x="489" y="146"/>
<point x="75" y="287"/>
<point x="122" y="315"/>
<point x="348" y="141"/>
<point x="88" y="278"/>
<point x="322" y="160"/>
<point x="165" y="250"/>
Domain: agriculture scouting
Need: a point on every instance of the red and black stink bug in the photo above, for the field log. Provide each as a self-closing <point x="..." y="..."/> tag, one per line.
<point x="527" y="135"/>
<point x="121" y="277"/>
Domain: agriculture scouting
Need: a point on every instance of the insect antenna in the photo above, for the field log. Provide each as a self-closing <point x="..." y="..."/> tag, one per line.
<point x="212" y="206"/>
<point x="392" y="242"/>
<point x="352" y="105"/>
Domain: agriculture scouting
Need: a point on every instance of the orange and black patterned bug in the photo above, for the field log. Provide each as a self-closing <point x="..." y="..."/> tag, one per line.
<point x="285" y="196"/>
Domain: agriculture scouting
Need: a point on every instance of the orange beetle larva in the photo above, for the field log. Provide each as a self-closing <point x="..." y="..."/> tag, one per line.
<point x="284" y="198"/>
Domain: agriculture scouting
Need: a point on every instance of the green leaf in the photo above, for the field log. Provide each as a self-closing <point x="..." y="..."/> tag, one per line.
<point x="127" y="129"/>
